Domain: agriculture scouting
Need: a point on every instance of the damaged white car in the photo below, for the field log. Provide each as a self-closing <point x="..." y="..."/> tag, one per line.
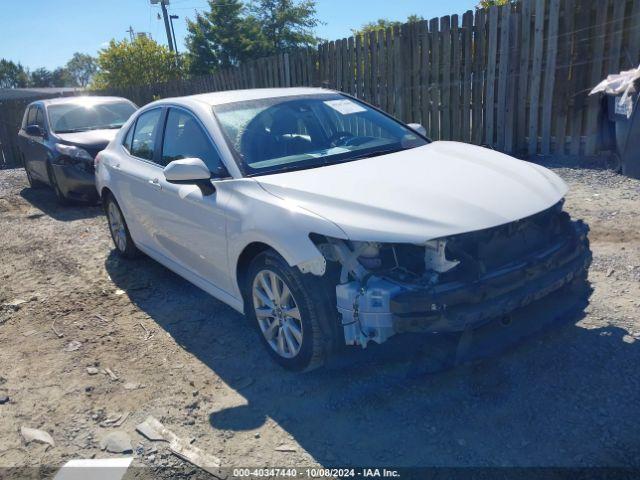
<point x="328" y="222"/>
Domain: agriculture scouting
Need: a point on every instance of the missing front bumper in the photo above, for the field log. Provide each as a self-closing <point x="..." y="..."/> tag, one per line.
<point x="383" y="307"/>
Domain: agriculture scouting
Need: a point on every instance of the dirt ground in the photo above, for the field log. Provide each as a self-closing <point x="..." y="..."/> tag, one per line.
<point x="570" y="396"/>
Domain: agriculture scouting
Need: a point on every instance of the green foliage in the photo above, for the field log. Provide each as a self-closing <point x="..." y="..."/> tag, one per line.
<point x="81" y="68"/>
<point x="219" y="37"/>
<point x="12" y="75"/>
<point x="286" y="24"/>
<point x="138" y="62"/>
<point x="230" y="32"/>
<point x="491" y="3"/>
<point x="383" y="24"/>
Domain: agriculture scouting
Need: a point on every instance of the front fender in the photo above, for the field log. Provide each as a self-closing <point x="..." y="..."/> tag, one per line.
<point x="258" y="216"/>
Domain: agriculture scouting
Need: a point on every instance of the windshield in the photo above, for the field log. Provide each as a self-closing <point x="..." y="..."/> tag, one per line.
<point x="78" y="117"/>
<point x="299" y="132"/>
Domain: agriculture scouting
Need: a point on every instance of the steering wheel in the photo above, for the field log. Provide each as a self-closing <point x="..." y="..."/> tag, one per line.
<point x="340" y="138"/>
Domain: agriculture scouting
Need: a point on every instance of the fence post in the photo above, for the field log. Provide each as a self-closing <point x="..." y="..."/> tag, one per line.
<point x="535" y="77"/>
<point x="549" y="75"/>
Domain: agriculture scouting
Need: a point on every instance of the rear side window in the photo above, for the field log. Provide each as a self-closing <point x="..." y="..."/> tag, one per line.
<point x="127" y="139"/>
<point x="144" y="135"/>
<point x="185" y="138"/>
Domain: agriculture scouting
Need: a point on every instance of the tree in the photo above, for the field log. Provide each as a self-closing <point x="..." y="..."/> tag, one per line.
<point x="491" y="3"/>
<point x="40" y="78"/>
<point x="219" y="37"/>
<point x="12" y="75"/>
<point x="81" y="68"/>
<point x="141" y="61"/>
<point x="383" y="24"/>
<point x="286" y="24"/>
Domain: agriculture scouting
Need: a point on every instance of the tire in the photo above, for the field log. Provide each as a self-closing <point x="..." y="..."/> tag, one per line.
<point x="53" y="181"/>
<point x="119" y="230"/>
<point x="32" y="182"/>
<point x="312" y="343"/>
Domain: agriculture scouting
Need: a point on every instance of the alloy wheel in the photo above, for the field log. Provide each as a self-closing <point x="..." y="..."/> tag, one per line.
<point x="116" y="225"/>
<point x="277" y="313"/>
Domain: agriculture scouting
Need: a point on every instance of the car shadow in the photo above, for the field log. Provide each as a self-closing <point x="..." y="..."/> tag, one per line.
<point x="44" y="199"/>
<point x="565" y="396"/>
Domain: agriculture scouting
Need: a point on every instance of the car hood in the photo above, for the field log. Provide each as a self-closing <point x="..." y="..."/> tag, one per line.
<point x="92" y="139"/>
<point x="440" y="189"/>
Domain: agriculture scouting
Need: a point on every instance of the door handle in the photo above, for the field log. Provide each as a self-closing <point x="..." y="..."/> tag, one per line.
<point x="155" y="183"/>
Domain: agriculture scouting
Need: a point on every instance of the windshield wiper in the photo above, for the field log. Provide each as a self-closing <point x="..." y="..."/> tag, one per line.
<point x="73" y="130"/>
<point x="377" y="153"/>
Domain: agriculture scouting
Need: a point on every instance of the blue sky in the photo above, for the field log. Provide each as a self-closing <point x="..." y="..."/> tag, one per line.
<point x="45" y="33"/>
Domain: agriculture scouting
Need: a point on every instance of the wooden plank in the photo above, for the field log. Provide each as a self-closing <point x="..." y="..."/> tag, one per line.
<point x="287" y="70"/>
<point x="593" y="102"/>
<point x="359" y="66"/>
<point x="382" y="69"/>
<point x="549" y="75"/>
<point x="492" y="54"/>
<point x="536" y="68"/>
<point x="389" y="70"/>
<point x="616" y="36"/>
<point x="445" y="126"/>
<point x="405" y="38"/>
<point x="581" y="72"/>
<point x="524" y="44"/>
<point x="503" y="70"/>
<point x="366" y="70"/>
<point x="633" y="45"/>
<point x="434" y="79"/>
<point x="425" y="60"/>
<point x="416" y="111"/>
<point x="456" y="63"/>
<point x="512" y="81"/>
<point x="467" y="37"/>
<point x="352" y="66"/>
<point x="338" y="64"/>
<point x="397" y="74"/>
<point x="563" y="75"/>
<point x="373" y="70"/>
<point x="477" y="92"/>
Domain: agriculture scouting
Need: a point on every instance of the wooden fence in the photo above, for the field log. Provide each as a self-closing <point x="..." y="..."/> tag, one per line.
<point x="515" y="78"/>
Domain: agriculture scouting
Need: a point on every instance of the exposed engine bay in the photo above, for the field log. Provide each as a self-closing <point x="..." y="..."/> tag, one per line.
<point x="454" y="283"/>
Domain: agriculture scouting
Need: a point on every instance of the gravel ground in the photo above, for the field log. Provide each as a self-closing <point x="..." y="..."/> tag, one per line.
<point x="569" y="396"/>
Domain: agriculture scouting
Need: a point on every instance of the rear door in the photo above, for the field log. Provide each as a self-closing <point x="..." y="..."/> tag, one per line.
<point x="135" y="177"/>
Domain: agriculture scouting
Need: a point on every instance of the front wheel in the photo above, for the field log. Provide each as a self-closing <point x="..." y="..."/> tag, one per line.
<point x="53" y="181"/>
<point x="119" y="230"/>
<point x="33" y="183"/>
<point x="290" y="311"/>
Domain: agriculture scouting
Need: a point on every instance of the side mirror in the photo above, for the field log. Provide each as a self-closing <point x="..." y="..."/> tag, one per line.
<point x="416" y="127"/>
<point x="190" y="171"/>
<point x="187" y="170"/>
<point x="34" y="131"/>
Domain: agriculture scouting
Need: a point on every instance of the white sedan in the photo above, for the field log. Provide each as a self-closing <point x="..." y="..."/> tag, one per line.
<point x="327" y="222"/>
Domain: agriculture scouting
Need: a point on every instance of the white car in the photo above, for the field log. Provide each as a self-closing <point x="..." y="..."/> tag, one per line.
<point x="328" y="222"/>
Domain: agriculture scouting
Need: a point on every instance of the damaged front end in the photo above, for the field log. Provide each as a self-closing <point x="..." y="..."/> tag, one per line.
<point x="455" y="283"/>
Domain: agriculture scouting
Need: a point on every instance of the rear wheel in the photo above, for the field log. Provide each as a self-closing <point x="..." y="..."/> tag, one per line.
<point x="119" y="230"/>
<point x="290" y="312"/>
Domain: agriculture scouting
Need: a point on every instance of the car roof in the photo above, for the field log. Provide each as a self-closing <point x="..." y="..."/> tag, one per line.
<point x="80" y="99"/>
<point x="230" y="96"/>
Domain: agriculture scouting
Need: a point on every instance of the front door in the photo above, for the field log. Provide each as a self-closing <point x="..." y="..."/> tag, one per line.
<point x="39" y="148"/>
<point x="191" y="223"/>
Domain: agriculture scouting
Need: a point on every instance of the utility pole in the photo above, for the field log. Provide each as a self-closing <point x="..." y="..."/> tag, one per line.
<point x="175" y="43"/>
<point x="165" y="14"/>
<point x="131" y="33"/>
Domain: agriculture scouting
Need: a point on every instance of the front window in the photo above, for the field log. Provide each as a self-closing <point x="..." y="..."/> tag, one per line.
<point x="79" y="116"/>
<point x="292" y="133"/>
